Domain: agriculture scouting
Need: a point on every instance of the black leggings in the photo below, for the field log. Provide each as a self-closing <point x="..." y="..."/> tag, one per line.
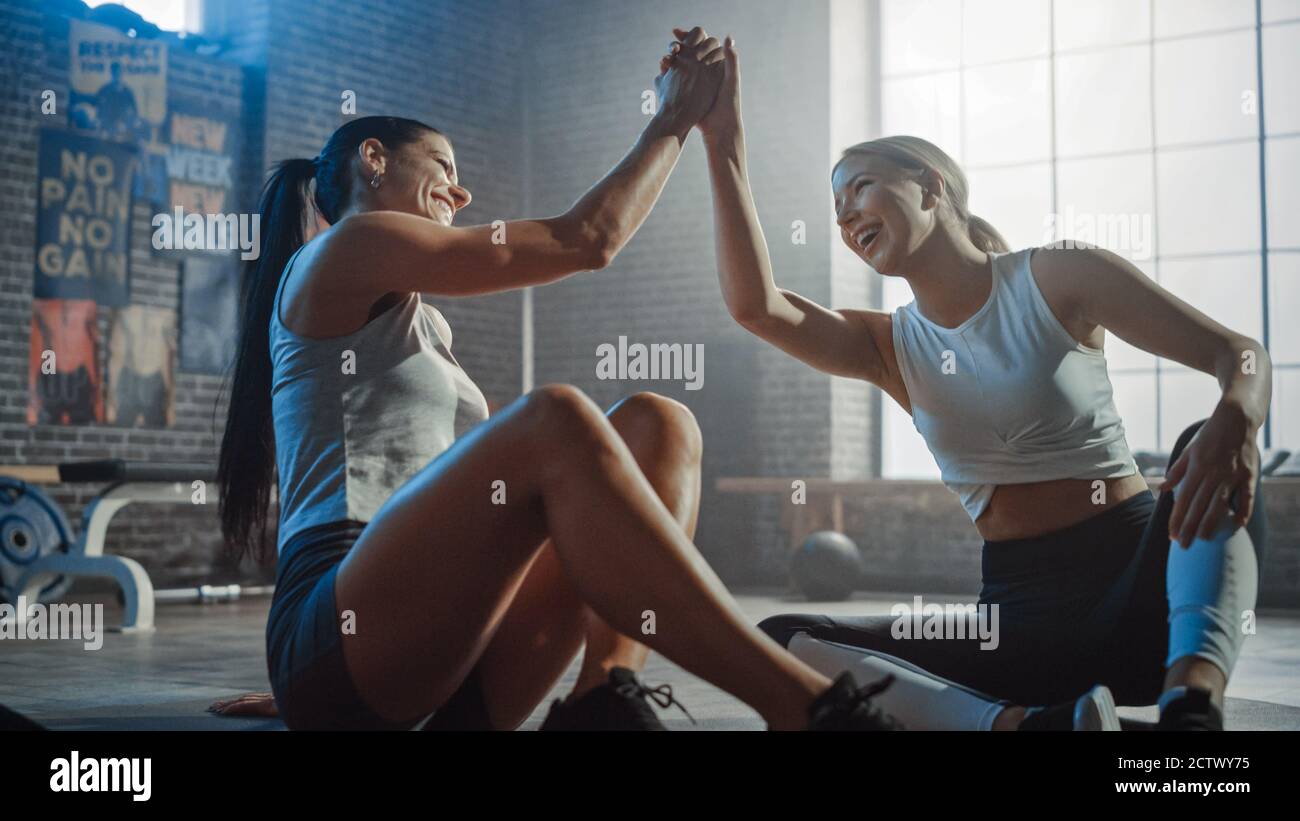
<point x="1084" y="605"/>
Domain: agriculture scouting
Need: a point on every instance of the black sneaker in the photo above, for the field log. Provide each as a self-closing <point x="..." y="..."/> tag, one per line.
<point x="622" y="704"/>
<point x="847" y="707"/>
<point x="1193" y="710"/>
<point x="1094" y="710"/>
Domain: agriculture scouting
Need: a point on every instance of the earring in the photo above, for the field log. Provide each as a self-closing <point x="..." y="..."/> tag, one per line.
<point x="376" y="180"/>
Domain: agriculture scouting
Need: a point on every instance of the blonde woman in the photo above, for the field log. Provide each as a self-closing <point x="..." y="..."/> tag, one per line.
<point x="1000" y="362"/>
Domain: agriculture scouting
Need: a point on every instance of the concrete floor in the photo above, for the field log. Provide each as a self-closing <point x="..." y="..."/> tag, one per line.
<point x="199" y="653"/>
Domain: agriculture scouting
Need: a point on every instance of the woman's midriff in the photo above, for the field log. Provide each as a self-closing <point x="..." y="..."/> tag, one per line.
<point x="1036" y="508"/>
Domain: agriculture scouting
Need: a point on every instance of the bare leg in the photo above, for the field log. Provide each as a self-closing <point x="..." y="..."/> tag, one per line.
<point x="434" y="573"/>
<point x="548" y="621"/>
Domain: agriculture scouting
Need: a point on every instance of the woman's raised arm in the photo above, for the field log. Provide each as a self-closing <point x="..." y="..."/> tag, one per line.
<point x="421" y="255"/>
<point x="844" y="343"/>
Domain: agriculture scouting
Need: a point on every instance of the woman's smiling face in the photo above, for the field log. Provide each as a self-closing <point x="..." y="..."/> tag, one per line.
<point x="422" y="180"/>
<point x="883" y="212"/>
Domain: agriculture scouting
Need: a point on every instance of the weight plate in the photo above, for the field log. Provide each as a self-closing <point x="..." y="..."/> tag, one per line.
<point x="31" y="526"/>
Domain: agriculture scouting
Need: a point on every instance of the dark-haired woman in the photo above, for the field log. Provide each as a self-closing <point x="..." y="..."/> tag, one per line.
<point x="999" y="361"/>
<point x="433" y="561"/>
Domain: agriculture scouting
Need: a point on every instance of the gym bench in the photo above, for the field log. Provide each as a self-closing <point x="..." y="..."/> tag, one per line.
<point x="45" y="556"/>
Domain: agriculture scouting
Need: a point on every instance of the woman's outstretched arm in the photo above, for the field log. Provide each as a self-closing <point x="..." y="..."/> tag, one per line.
<point x="421" y="255"/>
<point x="844" y="343"/>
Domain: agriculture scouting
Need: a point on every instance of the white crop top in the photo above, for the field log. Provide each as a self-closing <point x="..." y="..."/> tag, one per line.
<point x="1009" y="396"/>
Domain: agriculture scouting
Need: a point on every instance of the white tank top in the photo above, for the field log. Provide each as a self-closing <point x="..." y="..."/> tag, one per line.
<point x="356" y="416"/>
<point x="1009" y="396"/>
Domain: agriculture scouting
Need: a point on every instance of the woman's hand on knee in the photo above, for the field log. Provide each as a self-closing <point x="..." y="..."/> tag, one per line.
<point x="1214" y="476"/>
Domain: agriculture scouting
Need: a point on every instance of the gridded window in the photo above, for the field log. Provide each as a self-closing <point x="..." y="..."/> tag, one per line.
<point x="1118" y="187"/>
<point x="1283" y="186"/>
<point x="1102" y="80"/>
<point x="1138" y="125"/>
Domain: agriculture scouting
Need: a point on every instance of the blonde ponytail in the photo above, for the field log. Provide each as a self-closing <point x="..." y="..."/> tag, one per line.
<point x="985" y="236"/>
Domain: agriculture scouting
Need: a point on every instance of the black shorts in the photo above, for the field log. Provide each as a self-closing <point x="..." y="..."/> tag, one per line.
<point x="304" y="646"/>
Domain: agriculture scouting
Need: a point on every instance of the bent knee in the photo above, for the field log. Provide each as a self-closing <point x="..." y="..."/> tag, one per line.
<point x="560" y="405"/>
<point x="669" y="424"/>
<point x="564" y="424"/>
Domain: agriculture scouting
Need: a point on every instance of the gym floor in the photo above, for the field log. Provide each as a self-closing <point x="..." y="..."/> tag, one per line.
<point x="165" y="680"/>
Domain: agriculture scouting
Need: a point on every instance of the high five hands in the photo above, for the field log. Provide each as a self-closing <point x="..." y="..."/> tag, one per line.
<point x="699" y="82"/>
<point x="722" y="122"/>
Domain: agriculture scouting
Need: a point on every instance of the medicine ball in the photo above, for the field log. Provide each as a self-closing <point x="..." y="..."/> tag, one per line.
<point x="32" y="525"/>
<point x="827" y="566"/>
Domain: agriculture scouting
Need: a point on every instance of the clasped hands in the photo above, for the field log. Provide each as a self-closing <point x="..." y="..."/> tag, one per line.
<point x="699" y="83"/>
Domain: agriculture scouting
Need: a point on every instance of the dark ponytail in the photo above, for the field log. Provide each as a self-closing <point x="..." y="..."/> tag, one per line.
<point x="247" y="461"/>
<point x="246" y="465"/>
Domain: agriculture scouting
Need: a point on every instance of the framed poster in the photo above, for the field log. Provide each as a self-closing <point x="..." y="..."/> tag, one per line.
<point x="119" y="92"/>
<point x="63" y="366"/>
<point x="83" y="218"/>
<point x="141" y="389"/>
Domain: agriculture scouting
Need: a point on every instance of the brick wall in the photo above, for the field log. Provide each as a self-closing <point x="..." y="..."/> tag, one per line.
<point x="293" y="59"/>
<point x="175" y="542"/>
<point x="418" y="59"/>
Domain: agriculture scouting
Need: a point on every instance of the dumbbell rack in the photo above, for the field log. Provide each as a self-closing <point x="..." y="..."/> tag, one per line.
<point x="165" y="482"/>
